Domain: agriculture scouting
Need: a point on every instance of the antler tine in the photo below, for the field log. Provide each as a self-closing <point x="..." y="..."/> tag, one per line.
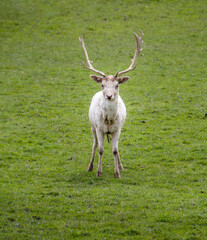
<point x="139" y="42"/>
<point x="89" y="67"/>
<point x="116" y="75"/>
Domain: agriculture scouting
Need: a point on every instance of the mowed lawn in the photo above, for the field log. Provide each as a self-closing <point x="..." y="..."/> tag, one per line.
<point x="45" y="135"/>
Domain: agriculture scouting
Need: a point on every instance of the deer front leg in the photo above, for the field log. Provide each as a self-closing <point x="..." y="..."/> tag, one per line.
<point x="100" y="136"/>
<point x="117" y="162"/>
<point x="95" y="143"/>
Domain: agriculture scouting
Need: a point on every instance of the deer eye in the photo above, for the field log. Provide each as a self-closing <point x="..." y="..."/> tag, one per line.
<point x="102" y="86"/>
<point x="117" y="86"/>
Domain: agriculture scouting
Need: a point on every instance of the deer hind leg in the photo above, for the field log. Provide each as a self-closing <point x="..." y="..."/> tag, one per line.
<point x="117" y="162"/>
<point x="95" y="143"/>
<point x="100" y="136"/>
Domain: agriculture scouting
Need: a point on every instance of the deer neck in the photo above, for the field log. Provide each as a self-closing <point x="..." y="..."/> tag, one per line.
<point x="109" y="109"/>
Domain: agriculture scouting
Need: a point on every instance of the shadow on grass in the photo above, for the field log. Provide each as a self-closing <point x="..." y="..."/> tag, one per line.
<point x="89" y="178"/>
<point x="85" y="178"/>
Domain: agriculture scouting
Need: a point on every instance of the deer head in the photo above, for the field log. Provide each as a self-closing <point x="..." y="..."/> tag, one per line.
<point x="110" y="83"/>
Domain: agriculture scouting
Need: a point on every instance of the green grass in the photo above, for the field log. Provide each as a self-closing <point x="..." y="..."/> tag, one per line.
<point x="45" y="138"/>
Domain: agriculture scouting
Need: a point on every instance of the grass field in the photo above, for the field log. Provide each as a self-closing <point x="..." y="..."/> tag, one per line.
<point x="45" y="137"/>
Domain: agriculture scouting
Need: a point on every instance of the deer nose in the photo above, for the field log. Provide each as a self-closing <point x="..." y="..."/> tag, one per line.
<point x="109" y="96"/>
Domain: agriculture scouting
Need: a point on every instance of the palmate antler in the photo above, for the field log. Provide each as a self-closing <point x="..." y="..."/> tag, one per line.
<point x="90" y="67"/>
<point x="139" y="42"/>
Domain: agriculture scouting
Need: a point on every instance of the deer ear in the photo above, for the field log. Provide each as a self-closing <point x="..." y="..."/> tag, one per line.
<point x="96" y="78"/>
<point x="122" y="79"/>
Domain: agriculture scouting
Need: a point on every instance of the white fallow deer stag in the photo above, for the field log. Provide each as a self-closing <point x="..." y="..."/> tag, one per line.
<point x="107" y="111"/>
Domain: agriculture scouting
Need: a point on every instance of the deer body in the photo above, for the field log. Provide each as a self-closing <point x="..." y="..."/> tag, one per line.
<point x="107" y="116"/>
<point x="107" y="111"/>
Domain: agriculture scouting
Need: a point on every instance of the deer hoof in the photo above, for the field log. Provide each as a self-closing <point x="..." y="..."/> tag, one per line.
<point x="90" y="167"/>
<point x="117" y="175"/>
<point x="98" y="174"/>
